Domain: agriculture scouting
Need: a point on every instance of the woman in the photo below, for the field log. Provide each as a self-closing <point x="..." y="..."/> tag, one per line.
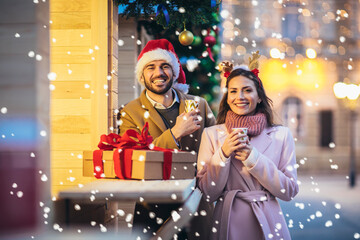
<point x="244" y="174"/>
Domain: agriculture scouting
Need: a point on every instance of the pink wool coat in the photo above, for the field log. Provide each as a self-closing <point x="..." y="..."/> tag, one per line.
<point x="246" y="205"/>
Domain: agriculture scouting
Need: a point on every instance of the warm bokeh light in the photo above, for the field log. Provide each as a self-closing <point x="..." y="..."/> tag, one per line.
<point x="340" y="90"/>
<point x="306" y="75"/>
<point x="349" y="91"/>
<point x="224" y="14"/>
<point x="273" y="75"/>
<point x="241" y="50"/>
<point x="228" y="25"/>
<point x="353" y="91"/>
<point x="228" y="34"/>
<point x="306" y="13"/>
<point x="275" y="53"/>
<point x="311" y="53"/>
<point x="226" y="50"/>
<point x="312" y="75"/>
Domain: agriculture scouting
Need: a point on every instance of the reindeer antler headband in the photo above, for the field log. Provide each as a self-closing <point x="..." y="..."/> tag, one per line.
<point x="227" y="67"/>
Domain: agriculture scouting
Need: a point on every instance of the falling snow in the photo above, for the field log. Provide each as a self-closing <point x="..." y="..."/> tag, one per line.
<point x="77" y="207"/>
<point x="19" y="194"/>
<point x="3" y="110"/>
<point x="44" y="178"/>
<point x="175" y="216"/>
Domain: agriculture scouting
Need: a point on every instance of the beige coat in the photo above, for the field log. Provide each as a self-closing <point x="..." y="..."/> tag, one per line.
<point x="137" y="112"/>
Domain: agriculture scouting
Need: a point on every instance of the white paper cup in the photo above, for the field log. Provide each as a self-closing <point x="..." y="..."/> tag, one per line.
<point x="191" y="105"/>
<point x="241" y="131"/>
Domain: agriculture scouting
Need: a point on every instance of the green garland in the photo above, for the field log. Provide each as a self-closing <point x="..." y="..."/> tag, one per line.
<point x="197" y="12"/>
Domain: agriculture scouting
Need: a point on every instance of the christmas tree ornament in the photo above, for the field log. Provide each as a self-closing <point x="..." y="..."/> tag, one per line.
<point x="209" y="42"/>
<point x="215" y="17"/>
<point x="186" y="37"/>
<point x="212" y="33"/>
<point x="197" y="41"/>
<point x="216" y="49"/>
<point x="164" y="18"/>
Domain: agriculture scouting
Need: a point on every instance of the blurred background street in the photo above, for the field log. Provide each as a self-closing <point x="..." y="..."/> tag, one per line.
<point x="325" y="208"/>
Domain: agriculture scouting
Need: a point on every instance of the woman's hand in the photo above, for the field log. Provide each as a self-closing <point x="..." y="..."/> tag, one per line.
<point x="235" y="141"/>
<point x="243" y="153"/>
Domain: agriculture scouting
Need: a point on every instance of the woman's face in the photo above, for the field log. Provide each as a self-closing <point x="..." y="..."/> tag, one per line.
<point x="242" y="96"/>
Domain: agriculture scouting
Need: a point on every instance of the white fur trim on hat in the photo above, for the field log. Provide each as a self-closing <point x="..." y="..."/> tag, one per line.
<point x="157" y="54"/>
<point x="182" y="87"/>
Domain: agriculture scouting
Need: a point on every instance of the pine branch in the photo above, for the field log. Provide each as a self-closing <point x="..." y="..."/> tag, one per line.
<point x="196" y="11"/>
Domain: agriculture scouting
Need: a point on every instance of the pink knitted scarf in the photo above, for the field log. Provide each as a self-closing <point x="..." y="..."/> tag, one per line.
<point x="255" y="123"/>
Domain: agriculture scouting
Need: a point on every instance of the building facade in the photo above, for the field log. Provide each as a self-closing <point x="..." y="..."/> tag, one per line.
<point x="306" y="46"/>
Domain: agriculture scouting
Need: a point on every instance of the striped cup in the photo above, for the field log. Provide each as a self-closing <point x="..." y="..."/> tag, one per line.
<point x="191" y="105"/>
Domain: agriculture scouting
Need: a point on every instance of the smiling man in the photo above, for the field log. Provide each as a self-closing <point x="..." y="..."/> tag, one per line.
<point x="162" y="105"/>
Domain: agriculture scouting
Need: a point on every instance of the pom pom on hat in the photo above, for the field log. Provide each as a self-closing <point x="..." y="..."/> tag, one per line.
<point x="162" y="49"/>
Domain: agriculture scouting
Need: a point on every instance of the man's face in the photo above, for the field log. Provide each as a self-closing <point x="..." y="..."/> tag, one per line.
<point x="158" y="76"/>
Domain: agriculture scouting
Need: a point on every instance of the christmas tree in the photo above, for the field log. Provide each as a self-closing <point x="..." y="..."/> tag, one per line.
<point x="166" y="19"/>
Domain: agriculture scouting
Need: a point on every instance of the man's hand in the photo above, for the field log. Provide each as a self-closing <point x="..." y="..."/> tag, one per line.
<point x="186" y="123"/>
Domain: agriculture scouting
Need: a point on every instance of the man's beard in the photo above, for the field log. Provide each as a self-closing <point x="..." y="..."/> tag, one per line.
<point x="161" y="91"/>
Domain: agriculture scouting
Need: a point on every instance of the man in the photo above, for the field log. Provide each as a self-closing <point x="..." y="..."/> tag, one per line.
<point x="162" y="105"/>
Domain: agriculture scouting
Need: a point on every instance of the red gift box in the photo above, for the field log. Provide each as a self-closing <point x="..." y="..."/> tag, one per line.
<point x="134" y="157"/>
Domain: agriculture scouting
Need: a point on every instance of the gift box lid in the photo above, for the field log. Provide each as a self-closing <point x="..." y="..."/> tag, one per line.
<point x="157" y="156"/>
<point x="148" y="155"/>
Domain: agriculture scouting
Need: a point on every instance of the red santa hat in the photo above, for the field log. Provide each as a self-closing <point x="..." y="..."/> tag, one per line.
<point x="162" y="49"/>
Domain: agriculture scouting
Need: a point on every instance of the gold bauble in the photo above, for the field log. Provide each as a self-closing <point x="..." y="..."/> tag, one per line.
<point x="186" y="38"/>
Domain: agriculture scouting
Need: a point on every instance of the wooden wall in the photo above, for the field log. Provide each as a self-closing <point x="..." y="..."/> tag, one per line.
<point x="128" y="53"/>
<point x="79" y="102"/>
<point x="113" y="36"/>
<point x="130" y="32"/>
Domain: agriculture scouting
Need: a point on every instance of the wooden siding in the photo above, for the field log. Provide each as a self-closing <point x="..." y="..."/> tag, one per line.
<point x="79" y="49"/>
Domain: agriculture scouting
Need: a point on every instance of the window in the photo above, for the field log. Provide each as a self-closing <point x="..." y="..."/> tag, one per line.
<point x="292" y="115"/>
<point x="291" y="25"/>
<point x="326" y="129"/>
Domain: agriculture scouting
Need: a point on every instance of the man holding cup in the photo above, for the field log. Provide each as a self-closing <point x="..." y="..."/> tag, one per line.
<point x="176" y="119"/>
<point x="162" y="103"/>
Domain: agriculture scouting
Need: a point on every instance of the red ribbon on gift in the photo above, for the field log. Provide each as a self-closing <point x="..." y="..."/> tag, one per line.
<point x="107" y="142"/>
<point x="125" y="144"/>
